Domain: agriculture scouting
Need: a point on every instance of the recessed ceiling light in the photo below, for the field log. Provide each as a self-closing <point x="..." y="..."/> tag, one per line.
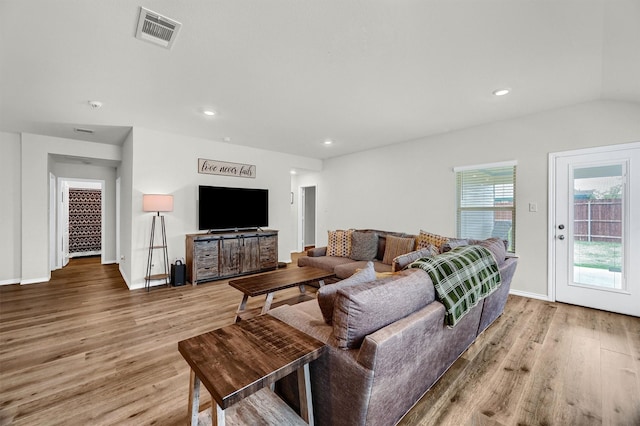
<point x="501" y="92"/>
<point x="293" y="172"/>
<point x="95" y="104"/>
<point x="209" y="112"/>
<point x="328" y="142"/>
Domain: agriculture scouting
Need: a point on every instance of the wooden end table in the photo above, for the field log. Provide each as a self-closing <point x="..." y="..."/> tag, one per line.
<point x="239" y="363"/>
<point x="271" y="282"/>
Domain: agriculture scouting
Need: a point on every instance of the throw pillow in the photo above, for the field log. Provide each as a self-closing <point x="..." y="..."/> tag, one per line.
<point x="496" y="246"/>
<point x="395" y="247"/>
<point x="453" y="243"/>
<point x="339" y="243"/>
<point x="401" y="262"/>
<point x="327" y="294"/>
<point x="364" y="245"/>
<point x="425" y="238"/>
<point x="365" y="308"/>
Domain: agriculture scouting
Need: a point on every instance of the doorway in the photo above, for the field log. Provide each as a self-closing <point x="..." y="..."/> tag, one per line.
<point x="595" y="228"/>
<point x="307" y="217"/>
<point x="81" y="218"/>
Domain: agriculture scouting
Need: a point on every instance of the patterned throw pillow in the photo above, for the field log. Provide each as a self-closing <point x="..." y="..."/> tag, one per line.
<point x="339" y="243"/>
<point x="395" y="247"/>
<point x="424" y="238"/>
<point x="364" y="245"/>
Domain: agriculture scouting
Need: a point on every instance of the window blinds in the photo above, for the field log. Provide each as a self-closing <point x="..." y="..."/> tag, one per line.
<point x="486" y="204"/>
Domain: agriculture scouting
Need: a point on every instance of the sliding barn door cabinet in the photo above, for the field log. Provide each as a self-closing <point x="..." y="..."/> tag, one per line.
<point x="222" y="255"/>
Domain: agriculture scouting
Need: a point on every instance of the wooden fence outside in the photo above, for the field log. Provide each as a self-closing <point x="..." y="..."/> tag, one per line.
<point x="598" y="220"/>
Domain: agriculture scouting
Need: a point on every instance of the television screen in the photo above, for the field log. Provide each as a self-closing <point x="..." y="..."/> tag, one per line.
<point x="223" y="208"/>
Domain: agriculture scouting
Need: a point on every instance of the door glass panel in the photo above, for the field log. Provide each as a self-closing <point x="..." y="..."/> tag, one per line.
<point x="598" y="222"/>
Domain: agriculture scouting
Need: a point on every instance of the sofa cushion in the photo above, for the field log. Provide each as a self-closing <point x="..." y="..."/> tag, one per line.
<point x="382" y="244"/>
<point x="395" y="247"/>
<point x="400" y="262"/>
<point x="364" y="245"/>
<point x="345" y="270"/>
<point x="364" y="308"/>
<point x="328" y="263"/>
<point x="327" y="294"/>
<point x="339" y="243"/>
<point x="425" y="238"/>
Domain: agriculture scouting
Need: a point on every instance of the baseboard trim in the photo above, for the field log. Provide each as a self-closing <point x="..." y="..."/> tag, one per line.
<point x="142" y="285"/>
<point x="9" y="282"/>
<point x="530" y="295"/>
<point x="35" y="280"/>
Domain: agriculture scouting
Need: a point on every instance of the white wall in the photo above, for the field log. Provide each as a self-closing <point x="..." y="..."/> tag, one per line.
<point x="10" y="221"/>
<point x="167" y="164"/>
<point x="125" y="173"/>
<point x="108" y="175"/>
<point x="411" y="186"/>
<point x="149" y="162"/>
<point x="404" y="187"/>
<point x="34" y="169"/>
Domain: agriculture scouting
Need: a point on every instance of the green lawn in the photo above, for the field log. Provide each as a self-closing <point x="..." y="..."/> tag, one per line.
<point x="598" y="255"/>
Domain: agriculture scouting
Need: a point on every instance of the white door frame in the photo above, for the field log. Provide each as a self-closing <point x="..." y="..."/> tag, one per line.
<point x="551" y="231"/>
<point x="302" y="215"/>
<point x="118" y="189"/>
<point x="53" y="253"/>
<point x="78" y="183"/>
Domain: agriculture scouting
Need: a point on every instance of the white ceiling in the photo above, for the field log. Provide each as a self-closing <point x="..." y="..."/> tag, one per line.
<point x="285" y="75"/>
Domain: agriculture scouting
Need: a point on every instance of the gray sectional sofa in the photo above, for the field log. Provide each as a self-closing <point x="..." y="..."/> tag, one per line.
<point x="344" y="267"/>
<point x="387" y="345"/>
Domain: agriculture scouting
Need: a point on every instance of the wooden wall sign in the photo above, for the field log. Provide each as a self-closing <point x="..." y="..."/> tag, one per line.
<point x="214" y="167"/>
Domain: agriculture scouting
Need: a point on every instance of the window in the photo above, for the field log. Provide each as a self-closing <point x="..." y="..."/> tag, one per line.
<point x="486" y="202"/>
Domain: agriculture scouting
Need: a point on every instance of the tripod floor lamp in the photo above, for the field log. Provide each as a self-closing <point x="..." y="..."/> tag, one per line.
<point x="157" y="203"/>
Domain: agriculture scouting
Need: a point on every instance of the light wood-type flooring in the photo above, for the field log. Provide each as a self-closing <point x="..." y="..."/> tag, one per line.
<point x="84" y="350"/>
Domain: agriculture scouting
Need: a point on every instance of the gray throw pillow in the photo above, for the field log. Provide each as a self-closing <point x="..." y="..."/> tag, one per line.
<point x="327" y="294"/>
<point x="496" y="246"/>
<point x="364" y="245"/>
<point x="365" y="308"/>
<point x="401" y="262"/>
<point x="453" y="243"/>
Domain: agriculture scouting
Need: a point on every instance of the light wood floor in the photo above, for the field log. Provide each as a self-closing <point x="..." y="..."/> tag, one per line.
<point x="83" y="349"/>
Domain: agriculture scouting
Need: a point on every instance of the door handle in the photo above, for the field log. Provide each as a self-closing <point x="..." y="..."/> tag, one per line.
<point x="561" y="237"/>
<point x="560" y="226"/>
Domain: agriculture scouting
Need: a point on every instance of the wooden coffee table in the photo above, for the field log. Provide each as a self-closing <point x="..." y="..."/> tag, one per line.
<point x="237" y="365"/>
<point x="271" y="282"/>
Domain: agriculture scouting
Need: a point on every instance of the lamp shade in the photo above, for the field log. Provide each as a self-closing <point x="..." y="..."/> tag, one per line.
<point x="157" y="203"/>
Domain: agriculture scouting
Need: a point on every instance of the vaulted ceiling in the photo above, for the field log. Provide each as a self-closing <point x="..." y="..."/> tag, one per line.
<point x="286" y="75"/>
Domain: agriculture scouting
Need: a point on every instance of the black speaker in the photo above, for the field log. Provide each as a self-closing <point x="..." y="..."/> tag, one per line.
<point x="178" y="273"/>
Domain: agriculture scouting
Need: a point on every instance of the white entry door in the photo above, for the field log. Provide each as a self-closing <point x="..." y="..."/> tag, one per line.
<point x="595" y="215"/>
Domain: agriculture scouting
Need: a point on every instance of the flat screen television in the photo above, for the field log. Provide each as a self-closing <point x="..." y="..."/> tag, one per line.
<point x="223" y="208"/>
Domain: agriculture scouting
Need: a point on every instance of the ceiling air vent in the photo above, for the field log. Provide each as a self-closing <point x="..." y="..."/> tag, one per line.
<point x="157" y="29"/>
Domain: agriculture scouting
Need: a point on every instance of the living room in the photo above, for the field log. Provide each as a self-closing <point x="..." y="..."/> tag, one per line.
<point x="582" y="93"/>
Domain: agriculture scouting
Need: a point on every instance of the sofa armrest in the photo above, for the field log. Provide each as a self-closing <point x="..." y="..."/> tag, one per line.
<point x="317" y="251"/>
